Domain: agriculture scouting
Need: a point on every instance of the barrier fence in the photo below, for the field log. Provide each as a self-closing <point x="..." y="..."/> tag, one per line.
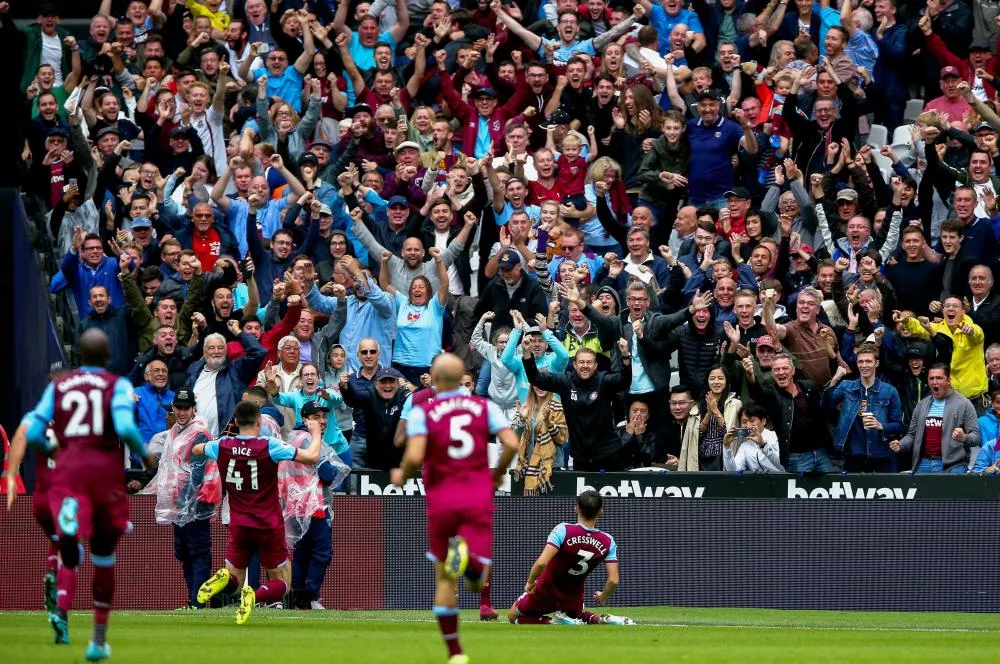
<point x="921" y="553"/>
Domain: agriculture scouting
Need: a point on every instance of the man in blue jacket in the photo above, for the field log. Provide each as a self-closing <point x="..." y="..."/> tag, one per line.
<point x="218" y="382"/>
<point x="86" y="266"/>
<point x="870" y="415"/>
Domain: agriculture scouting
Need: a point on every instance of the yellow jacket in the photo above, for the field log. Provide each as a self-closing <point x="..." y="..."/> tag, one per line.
<point x="220" y="19"/>
<point x="968" y="368"/>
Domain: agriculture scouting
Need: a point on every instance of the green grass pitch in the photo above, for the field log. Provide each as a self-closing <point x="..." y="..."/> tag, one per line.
<point x="411" y="637"/>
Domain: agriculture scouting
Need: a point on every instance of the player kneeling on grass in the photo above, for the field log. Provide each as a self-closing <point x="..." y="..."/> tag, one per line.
<point x="555" y="584"/>
<point x="249" y="466"/>
<point x="450" y="437"/>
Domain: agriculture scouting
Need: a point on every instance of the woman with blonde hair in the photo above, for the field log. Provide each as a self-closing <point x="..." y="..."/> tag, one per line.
<point x="541" y="424"/>
<point x="605" y="189"/>
<point x="420" y="128"/>
<point x="280" y="122"/>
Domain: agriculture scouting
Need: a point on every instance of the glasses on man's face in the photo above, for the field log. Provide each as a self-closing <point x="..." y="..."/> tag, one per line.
<point x="367" y="352"/>
<point x="149" y="171"/>
<point x="282" y="243"/>
<point x="680" y="403"/>
<point x="570" y="247"/>
<point x="171" y="255"/>
<point x="638" y="299"/>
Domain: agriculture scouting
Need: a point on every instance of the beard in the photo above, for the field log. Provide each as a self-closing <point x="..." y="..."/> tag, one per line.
<point x="213" y="363"/>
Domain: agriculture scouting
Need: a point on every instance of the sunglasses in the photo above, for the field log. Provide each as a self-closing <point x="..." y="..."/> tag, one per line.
<point x="367" y="352"/>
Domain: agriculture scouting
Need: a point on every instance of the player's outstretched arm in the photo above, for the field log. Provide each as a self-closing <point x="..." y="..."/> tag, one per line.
<point x="38" y="419"/>
<point x="602" y="597"/>
<point x="413" y="457"/>
<point x="310" y="455"/>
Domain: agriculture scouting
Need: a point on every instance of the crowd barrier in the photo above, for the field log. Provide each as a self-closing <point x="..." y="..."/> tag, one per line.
<point x="914" y="544"/>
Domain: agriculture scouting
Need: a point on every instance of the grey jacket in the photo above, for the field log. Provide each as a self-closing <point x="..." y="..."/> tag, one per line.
<point x="402" y="275"/>
<point x="958" y="412"/>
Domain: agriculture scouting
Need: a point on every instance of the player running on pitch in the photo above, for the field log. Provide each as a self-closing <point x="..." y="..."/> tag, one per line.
<point x="44" y="465"/>
<point x="555" y="584"/>
<point x="449" y="436"/>
<point x="249" y="467"/>
<point x="90" y="410"/>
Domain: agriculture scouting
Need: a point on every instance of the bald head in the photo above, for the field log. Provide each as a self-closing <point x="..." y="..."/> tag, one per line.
<point x="94" y="349"/>
<point x="446" y="372"/>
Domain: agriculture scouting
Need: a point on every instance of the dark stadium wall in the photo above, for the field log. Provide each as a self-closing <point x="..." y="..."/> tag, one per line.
<point x="788" y="554"/>
<point x="27" y="337"/>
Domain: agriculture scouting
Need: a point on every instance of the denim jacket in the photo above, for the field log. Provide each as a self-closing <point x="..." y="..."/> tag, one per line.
<point x="882" y="402"/>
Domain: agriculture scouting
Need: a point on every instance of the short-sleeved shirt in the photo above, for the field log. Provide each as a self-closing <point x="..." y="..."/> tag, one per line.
<point x="456" y="466"/>
<point x="249" y="469"/>
<point x="418" y="331"/>
<point x="664" y="23"/>
<point x="581" y="551"/>
<point x="288" y="86"/>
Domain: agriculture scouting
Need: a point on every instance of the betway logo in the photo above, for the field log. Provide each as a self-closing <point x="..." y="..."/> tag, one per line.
<point x="634" y="488"/>
<point x="413" y="487"/>
<point x="844" y="490"/>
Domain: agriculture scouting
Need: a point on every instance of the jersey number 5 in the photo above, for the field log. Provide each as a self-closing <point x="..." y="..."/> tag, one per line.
<point x="80" y="403"/>
<point x="462" y="441"/>
<point x="236" y="479"/>
<point x="583" y="566"/>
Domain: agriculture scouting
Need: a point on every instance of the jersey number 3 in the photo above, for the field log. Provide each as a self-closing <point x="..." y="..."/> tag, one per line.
<point x="235" y="478"/>
<point x="462" y="441"/>
<point x="84" y="406"/>
<point x="583" y="566"/>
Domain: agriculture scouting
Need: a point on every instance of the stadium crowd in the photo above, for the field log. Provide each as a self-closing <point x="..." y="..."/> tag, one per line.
<point x="723" y="236"/>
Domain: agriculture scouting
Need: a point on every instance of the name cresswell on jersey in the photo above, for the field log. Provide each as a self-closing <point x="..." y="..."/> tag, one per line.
<point x="636" y="489"/>
<point x="413" y="487"/>
<point x="844" y="490"/>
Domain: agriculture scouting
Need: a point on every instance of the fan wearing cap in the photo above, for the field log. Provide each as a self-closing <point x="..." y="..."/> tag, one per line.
<point x="714" y="140"/>
<point x="511" y="289"/>
<point x="60" y="163"/>
<point x="367" y="139"/>
<point x="484" y="120"/>
<point x="187" y="490"/>
<point x="980" y="57"/>
<point x="407" y="177"/>
<point x="951" y="101"/>
<point x="184" y="147"/>
<point x="381" y="408"/>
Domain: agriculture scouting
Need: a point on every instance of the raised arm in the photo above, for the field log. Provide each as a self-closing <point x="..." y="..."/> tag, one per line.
<point x="530" y="39"/>
<point x="219" y="99"/>
<point x="614" y="33"/>
<point x="384" y="274"/>
<point x="442" y="271"/>
<point x="398" y="31"/>
<point x="304" y="61"/>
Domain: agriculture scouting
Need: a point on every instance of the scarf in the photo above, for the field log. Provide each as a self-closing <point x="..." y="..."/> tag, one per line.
<point x="620" y="203"/>
<point x="542" y="434"/>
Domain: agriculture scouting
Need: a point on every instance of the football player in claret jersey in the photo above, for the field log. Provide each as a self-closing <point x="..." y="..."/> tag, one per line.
<point x="90" y="410"/>
<point x="555" y="584"/>
<point x="248" y="464"/>
<point x="44" y="465"/>
<point x="449" y="435"/>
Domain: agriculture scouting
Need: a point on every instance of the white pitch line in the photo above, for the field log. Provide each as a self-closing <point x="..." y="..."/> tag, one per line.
<point x="281" y="615"/>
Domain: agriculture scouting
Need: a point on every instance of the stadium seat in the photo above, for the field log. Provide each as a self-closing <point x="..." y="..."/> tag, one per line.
<point x="914" y="107"/>
<point x="901" y="135"/>
<point x="878" y="136"/>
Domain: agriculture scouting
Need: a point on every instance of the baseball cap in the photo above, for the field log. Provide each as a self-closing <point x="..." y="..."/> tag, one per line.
<point x="508" y="259"/>
<point x="985" y="126"/>
<point x="949" y="71"/>
<point x="322" y="143"/>
<point x="847" y="195"/>
<point x="141" y="222"/>
<point x="738" y="192"/>
<point x="313" y="407"/>
<point x="180" y="132"/>
<point x="184" y="398"/>
<point x="308" y="158"/>
<point x="111" y="129"/>
<point x="406" y="144"/>
<point x="708" y="93"/>
<point x="807" y="248"/>
<point x="325" y="209"/>
<point x="913" y="351"/>
<point x="59" y="130"/>
<point x="48" y="9"/>
<point x="358" y="108"/>
<point x="485" y="91"/>
<point x="979" y="46"/>
<point x="398" y="200"/>
<point x="765" y="341"/>
<point x="533" y="329"/>
<point x="386" y="373"/>
<point x="558" y="117"/>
